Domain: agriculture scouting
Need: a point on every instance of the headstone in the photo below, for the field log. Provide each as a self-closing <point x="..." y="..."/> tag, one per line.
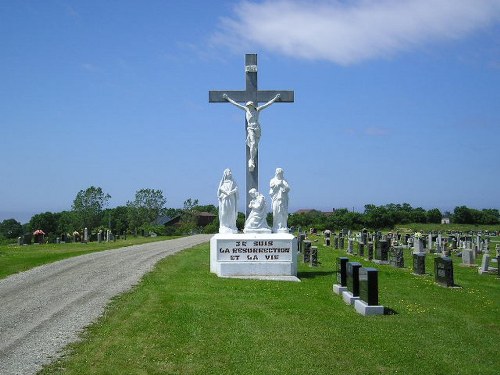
<point x="350" y="242"/>
<point x="302" y="237"/>
<point x="342" y="271"/>
<point x="307" y="251"/>
<point x="314" y="256"/>
<point x="443" y="271"/>
<point x="341" y="266"/>
<point x="419" y="263"/>
<point x="341" y="243"/>
<point x="396" y="257"/>
<point x="370" y="250"/>
<point x="418" y="245"/>
<point x="468" y="258"/>
<point x="498" y="266"/>
<point x="335" y="243"/>
<point x="85" y="235"/>
<point x="382" y="250"/>
<point x="361" y="249"/>
<point x="368" y="285"/>
<point x="485" y="264"/>
<point x="352" y="280"/>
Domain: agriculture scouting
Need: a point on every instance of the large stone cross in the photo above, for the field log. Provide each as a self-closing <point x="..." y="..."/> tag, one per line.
<point x="252" y="94"/>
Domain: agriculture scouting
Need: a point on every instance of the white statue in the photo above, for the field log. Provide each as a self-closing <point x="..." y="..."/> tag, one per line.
<point x="256" y="220"/>
<point x="228" y="203"/>
<point x="253" y="125"/>
<point x="279" y="194"/>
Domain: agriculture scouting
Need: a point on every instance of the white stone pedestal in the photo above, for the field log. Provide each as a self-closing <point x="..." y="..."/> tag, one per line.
<point x="366" y="310"/>
<point x="349" y="298"/>
<point x="338" y="289"/>
<point x="271" y="256"/>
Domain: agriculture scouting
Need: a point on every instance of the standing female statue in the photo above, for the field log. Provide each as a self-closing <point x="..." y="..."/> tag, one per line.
<point x="279" y="195"/>
<point x="228" y="203"/>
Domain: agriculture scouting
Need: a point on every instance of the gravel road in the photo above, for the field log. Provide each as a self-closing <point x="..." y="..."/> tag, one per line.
<point x="44" y="309"/>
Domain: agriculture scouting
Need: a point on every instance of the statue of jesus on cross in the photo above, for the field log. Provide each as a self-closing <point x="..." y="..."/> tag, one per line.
<point x="252" y="96"/>
<point x="253" y="125"/>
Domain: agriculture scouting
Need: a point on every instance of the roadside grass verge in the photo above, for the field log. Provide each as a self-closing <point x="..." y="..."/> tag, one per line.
<point x="14" y="259"/>
<point x="183" y="320"/>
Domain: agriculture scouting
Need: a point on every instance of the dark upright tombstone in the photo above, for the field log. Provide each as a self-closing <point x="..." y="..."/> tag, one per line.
<point x="368" y="285"/>
<point x="307" y="251"/>
<point x="382" y="250"/>
<point x="361" y="249"/>
<point x="335" y="242"/>
<point x="370" y="250"/>
<point x="443" y="271"/>
<point x="327" y="241"/>
<point x="342" y="271"/>
<point x="314" y="256"/>
<point x="419" y="263"/>
<point x="498" y="266"/>
<point x="353" y="278"/>
<point x="341" y="243"/>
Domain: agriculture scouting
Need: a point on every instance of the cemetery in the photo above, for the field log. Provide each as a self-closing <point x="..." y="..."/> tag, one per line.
<point x="362" y="301"/>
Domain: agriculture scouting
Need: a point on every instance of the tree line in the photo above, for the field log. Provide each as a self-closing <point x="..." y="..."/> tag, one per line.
<point x="389" y="215"/>
<point x="89" y="210"/>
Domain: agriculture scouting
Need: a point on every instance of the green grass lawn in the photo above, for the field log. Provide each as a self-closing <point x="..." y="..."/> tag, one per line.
<point x="183" y="320"/>
<point x="15" y="259"/>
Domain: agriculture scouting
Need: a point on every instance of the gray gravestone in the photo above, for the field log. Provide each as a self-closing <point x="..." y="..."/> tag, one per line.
<point x="396" y="257"/>
<point x="468" y="257"/>
<point x="419" y="263"/>
<point x="485" y="264"/>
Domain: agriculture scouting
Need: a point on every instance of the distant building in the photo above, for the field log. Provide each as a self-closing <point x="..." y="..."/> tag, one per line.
<point x="445" y="220"/>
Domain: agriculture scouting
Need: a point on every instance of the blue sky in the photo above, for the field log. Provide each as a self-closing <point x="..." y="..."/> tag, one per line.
<point x="395" y="101"/>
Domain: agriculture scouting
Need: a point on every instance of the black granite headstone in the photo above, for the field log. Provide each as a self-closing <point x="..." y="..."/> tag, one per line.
<point x="342" y="270"/>
<point x="370" y="250"/>
<point x="341" y="243"/>
<point x="382" y="250"/>
<point x="353" y="278"/>
<point x="307" y="251"/>
<point x="498" y="265"/>
<point x="419" y="264"/>
<point x="443" y="271"/>
<point x="314" y="256"/>
<point x="368" y="285"/>
<point x="327" y="241"/>
<point x="361" y="249"/>
<point x="335" y="242"/>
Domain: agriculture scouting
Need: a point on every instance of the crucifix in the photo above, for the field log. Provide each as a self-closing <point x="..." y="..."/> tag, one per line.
<point x="251" y="97"/>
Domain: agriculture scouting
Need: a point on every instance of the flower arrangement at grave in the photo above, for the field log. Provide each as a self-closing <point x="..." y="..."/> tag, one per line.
<point x="418" y="235"/>
<point x="39" y="234"/>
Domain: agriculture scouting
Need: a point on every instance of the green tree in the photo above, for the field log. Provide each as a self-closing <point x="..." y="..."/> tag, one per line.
<point x="434" y="216"/>
<point x="462" y="215"/>
<point x="47" y="221"/>
<point x="147" y="206"/>
<point x="88" y="206"/>
<point x="11" y="228"/>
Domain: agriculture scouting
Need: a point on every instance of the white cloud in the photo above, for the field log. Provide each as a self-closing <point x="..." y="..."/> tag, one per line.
<point x="347" y="32"/>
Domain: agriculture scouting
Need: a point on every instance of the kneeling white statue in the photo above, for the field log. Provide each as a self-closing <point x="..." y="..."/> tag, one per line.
<point x="256" y="220"/>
